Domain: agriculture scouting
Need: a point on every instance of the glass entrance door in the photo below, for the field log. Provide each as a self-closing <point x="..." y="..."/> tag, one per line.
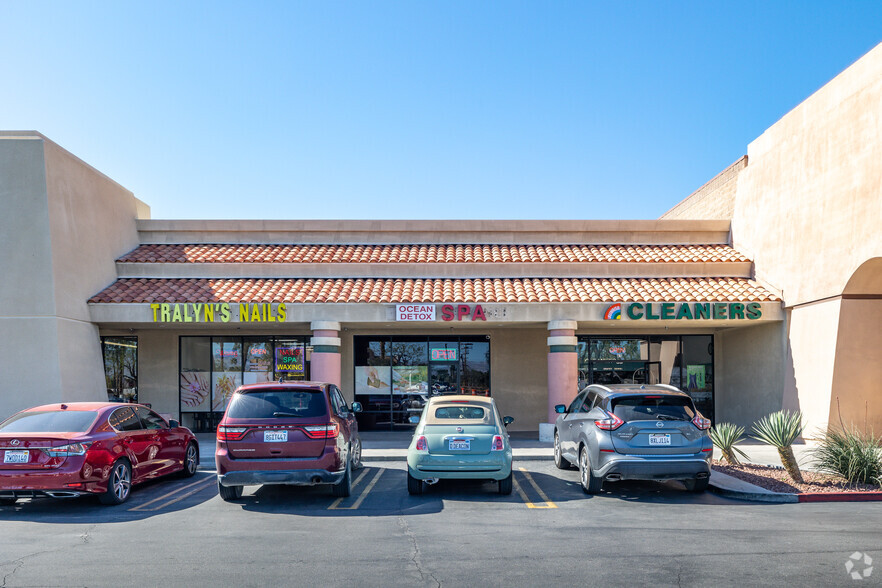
<point x="444" y="367"/>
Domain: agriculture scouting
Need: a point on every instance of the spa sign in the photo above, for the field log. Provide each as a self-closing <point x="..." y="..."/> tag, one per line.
<point x="449" y="312"/>
<point x="219" y="312"/>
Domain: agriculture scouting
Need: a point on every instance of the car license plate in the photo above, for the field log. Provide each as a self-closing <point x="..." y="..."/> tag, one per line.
<point x="659" y="439"/>
<point x="459" y="444"/>
<point x="275" y="436"/>
<point x="16" y="457"/>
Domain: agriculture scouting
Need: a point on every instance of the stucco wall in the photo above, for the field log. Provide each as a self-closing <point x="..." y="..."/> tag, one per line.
<point x="749" y="377"/>
<point x="812" y="194"/>
<point x="812" y="348"/>
<point x="64" y="224"/>
<point x="857" y="373"/>
<point x="714" y="200"/>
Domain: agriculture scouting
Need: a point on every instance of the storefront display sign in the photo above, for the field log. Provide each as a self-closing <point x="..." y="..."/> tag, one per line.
<point x="289" y="359"/>
<point x="414" y="312"/>
<point x="219" y="312"/>
<point x="685" y="311"/>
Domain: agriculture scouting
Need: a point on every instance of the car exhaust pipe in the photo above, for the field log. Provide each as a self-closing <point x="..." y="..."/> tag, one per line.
<point x="56" y="494"/>
<point x="316" y="480"/>
<point x="614" y="477"/>
<point x="431" y="481"/>
<point x="702" y="476"/>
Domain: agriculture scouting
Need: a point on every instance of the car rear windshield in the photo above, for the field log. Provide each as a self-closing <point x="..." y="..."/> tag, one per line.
<point x="50" y="421"/>
<point x="460" y="412"/>
<point x="642" y="408"/>
<point x="281" y="403"/>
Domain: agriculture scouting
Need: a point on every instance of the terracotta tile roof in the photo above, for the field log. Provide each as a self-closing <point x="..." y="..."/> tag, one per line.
<point x="159" y="253"/>
<point x="369" y="290"/>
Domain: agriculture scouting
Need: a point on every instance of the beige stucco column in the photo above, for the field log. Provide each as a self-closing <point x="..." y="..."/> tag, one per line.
<point x="325" y="361"/>
<point x="563" y="369"/>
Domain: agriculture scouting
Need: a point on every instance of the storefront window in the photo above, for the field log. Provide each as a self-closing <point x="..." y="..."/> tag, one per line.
<point x="685" y="362"/>
<point x="195" y="381"/>
<point x="211" y="368"/>
<point x="475" y="367"/>
<point x="226" y="370"/>
<point x="394" y="376"/>
<point x="121" y="368"/>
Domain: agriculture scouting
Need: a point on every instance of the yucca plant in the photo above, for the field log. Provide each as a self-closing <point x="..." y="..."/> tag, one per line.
<point x="781" y="429"/>
<point x="850" y="454"/>
<point x="725" y="436"/>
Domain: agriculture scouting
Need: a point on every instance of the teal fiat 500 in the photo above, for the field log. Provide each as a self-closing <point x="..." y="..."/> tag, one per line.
<point x="459" y="437"/>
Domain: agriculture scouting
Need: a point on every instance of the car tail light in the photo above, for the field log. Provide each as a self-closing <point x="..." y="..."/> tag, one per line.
<point x="322" y="431"/>
<point x="422" y="444"/>
<point x="497" y="444"/>
<point x="609" y="424"/>
<point x="701" y="422"/>
<point x="66" y="450"/>
<point x="227" y="433"/>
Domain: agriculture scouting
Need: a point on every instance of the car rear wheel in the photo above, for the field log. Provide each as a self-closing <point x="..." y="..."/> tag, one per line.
<point x="505" y="485"/>
<point x="229" y="493"/>
<point x="119" y="484"/>
<point x="697" y="485"/>
<point x="559" y="460"/>
<point x="343" y="488"/>
<point x="414" y="486"/>
<point x="191" y="461"/>
<point x="355" y="453"/>
<point x="590" y="483"/>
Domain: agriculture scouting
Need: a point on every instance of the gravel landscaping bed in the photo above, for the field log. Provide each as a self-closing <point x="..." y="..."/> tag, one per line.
<point x="777" y="480"/>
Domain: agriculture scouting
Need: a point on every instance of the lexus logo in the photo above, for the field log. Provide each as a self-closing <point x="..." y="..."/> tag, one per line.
<point x="659" y="424"/>
<point x="15" y="442"/>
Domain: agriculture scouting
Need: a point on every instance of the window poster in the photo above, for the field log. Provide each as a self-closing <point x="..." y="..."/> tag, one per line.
<point x="258" y="363"/>
<point x="195" y="390"/>
<point x="373" y="379"/>
<point x="223" y="386"/>
<point x="695" y="377"/>
<point x="410" y="379"/>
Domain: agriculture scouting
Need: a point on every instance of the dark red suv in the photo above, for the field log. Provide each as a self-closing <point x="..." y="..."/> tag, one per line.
<point x="299" y="433"/>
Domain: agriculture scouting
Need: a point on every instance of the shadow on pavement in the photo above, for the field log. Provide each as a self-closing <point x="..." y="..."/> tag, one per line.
<point x="146" y="500"/>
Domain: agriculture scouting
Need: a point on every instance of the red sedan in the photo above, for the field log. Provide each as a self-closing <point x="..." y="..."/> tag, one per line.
<point x="79" y="448"/>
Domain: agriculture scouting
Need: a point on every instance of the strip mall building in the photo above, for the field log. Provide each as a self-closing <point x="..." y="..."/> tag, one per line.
<point x="761" y="290"/>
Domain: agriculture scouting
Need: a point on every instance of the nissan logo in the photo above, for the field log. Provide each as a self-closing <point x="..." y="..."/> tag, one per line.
<point x="15" y="442"/>
<point x="659" y="424"/>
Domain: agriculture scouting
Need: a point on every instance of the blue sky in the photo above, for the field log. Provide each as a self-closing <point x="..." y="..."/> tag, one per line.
<point x="417" y="109"/>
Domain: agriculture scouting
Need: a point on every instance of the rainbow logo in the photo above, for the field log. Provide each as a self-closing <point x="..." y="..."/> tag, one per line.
<point x="613" y="313"/>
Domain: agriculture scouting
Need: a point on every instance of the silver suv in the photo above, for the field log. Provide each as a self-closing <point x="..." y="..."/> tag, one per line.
<point x="633" y="432"/>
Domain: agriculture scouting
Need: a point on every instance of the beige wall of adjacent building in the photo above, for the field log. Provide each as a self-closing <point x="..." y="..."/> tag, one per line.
<point x="64" y="224"/>
<point x="808" y="210"/>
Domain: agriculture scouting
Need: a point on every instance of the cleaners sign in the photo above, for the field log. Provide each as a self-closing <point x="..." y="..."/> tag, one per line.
<point x="691" y="311"/>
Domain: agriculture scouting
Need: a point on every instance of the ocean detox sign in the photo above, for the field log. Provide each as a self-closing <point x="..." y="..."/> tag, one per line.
<point x="414" y="312"/>
<point x="449" y="312"/>
<point x="221" y="312"/>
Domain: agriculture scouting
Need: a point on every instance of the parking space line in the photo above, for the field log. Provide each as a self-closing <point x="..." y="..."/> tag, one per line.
<point x="336" y="504"/>
<point x="539" y="491"/>
<point x="197" y="486"/>
<point x="530" y="504"/>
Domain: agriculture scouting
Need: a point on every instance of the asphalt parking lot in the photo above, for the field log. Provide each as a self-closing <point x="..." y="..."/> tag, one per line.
<point x="547" y="531"/>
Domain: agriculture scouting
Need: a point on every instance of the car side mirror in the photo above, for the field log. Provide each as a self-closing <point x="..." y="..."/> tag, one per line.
<point x="173" y="424"/>
<point x="414" y="420"/>
<point x="560" y="409"/>
<point x="507" y="420"/>
<point x="356" y="407"/>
